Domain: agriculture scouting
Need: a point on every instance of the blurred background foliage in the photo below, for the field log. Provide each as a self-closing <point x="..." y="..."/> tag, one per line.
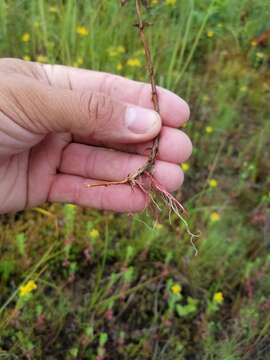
<point x="81" y="284"/>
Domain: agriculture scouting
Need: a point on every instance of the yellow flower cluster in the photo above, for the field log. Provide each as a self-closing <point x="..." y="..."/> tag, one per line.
<point x="176" y="289"/>
<point x="26" y="37"/>
<point x="214" y="217"/>
<point x="212" y="183"/>
<point x="42" y="59"/>
<point x="26" y="58"/>
<point x="218" y="297"/>
<point x="134" y="62"/>
<point x="94" y="234"/>
<point x="210" y="34"/>
<point x="209" y="129"/>
<point x="185" y="166"/>
<point x="82" y="30"/>
<point x="27" y="288"/>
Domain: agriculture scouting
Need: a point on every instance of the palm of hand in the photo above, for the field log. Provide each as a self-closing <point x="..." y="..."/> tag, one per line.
<point x="26" y="177"/>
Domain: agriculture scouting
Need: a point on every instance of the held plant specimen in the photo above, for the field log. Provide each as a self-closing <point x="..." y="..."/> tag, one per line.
<point x="145" y="172"/>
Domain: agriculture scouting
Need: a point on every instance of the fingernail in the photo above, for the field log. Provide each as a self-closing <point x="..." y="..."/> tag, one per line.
<point x="141" y="121"/>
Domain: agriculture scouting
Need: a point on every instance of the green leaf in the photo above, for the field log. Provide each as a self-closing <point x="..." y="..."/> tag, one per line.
<point x="7" y="267"/>
<point x="103" y="338"/>
<point x="20" y="241"/>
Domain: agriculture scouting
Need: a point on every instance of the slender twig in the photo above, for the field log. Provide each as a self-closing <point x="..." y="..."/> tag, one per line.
<point x="151" y="73"/>
<point x="149" y="164"/>
<point x="145" y="171"/>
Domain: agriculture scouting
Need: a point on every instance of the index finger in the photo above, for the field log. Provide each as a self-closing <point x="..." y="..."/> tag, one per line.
<point x="174" y="111"/>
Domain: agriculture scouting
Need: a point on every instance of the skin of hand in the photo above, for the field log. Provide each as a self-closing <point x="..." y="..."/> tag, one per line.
<point x="62" y="128"/>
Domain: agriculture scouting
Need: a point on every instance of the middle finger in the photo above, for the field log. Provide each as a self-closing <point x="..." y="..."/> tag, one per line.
<point x="174" y="145"/>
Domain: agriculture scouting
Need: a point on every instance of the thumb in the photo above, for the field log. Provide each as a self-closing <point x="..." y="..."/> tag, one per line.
<point x="42" y="109"/>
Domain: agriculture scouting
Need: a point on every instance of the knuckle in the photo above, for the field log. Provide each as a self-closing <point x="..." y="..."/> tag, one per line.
<point x="100" y="107"/>
<point x="111" y="84"/>
<point x="100" y="110"/>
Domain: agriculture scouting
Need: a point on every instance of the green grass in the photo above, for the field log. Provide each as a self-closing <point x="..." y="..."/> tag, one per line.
<point x="104" y="281"/>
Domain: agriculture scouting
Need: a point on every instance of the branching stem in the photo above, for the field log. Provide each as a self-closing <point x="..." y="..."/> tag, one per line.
<point x="149" y="164"/>
<point x="145" y="171"/>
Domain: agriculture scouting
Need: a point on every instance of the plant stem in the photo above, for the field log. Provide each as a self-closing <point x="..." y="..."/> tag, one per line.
<point x="149" y="164"/>
<point x="151" y="73"/>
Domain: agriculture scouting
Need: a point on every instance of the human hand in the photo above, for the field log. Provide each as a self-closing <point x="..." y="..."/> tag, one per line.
<point x="62" y="128"/>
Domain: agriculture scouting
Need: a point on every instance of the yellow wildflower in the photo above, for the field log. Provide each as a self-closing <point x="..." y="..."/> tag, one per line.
<point x="134" y="62"/>
<point x="176" y="289"/>
<point x="170" y="2"/>
<point x="209" y="129"/>
<point x="27" y="288"/>
<point x="253" y="43"/>
<point x="41" y="58"/>
<point x="26" y="58"/>
<point x="94" y="233"/>
<point x="214" y="217"/>
<point x="119" y="67"/>
<point x="82" y="30"/>
<point x="185" y="166"/>
<point x="260" y="55"/>
<point x="213" y="183"/>
<point x="218" y="297"/>
<point x="210" y="33"/>
<point x="25" y="37"/>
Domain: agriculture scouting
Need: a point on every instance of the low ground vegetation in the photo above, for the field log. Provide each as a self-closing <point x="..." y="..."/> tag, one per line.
<point x="81" y="284"/>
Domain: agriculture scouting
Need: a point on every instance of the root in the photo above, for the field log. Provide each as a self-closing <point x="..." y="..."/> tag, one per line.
<point x="156" y="188"/>
<point x="174" y="206"/>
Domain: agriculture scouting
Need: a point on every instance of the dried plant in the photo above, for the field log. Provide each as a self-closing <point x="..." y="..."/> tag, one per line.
<point x="145" y="171"/>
